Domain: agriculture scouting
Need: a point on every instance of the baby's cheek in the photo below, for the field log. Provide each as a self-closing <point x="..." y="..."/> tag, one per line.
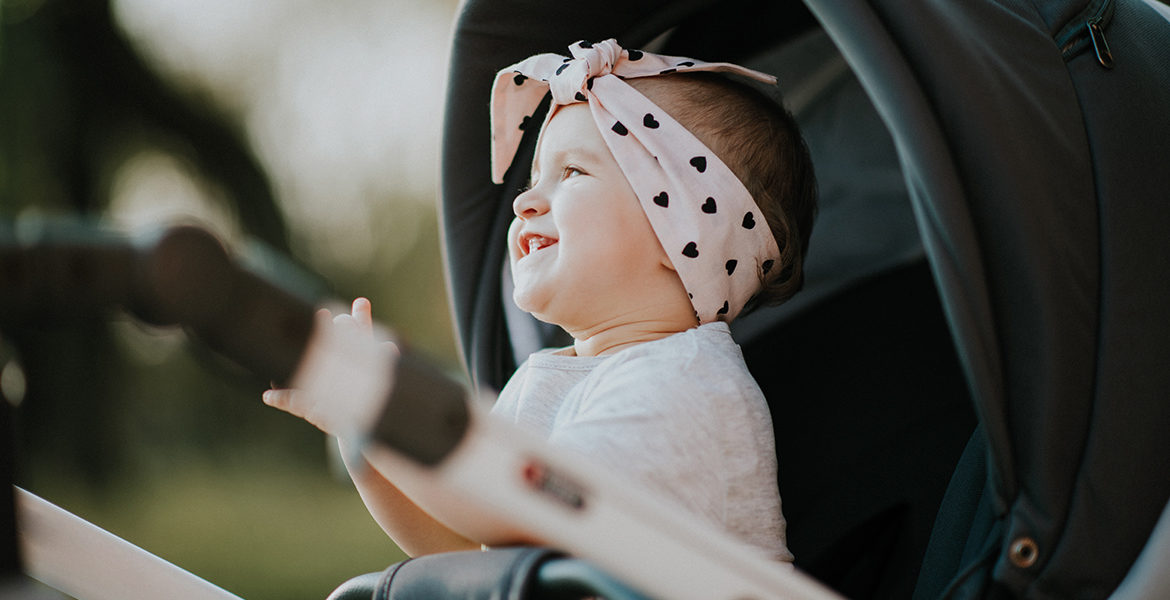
<point x="513" y="236"/>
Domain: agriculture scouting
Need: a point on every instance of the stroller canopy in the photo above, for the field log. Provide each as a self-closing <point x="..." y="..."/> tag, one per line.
<point x="1028" y="134"/>
<point x="1012" y="146"/>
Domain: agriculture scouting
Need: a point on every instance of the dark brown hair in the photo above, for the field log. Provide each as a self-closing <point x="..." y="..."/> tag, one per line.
<point x="758" y="139"/>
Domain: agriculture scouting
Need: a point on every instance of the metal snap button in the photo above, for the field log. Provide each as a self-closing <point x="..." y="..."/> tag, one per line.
<point x="1024" y="552"/>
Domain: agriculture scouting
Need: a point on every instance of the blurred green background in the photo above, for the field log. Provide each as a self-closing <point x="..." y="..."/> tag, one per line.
<point x="305" y="129"/>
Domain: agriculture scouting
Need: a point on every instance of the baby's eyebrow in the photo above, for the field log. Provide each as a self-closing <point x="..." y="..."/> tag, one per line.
<point x="576" y="154"/>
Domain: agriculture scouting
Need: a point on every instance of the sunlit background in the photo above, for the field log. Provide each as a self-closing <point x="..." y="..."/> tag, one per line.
<point x="302" y="130"/>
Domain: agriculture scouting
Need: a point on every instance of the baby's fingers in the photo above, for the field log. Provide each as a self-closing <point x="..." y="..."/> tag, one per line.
<point x="363" y="312"/>
<point x="284" y="399"/>
<point x="298" y="403"/>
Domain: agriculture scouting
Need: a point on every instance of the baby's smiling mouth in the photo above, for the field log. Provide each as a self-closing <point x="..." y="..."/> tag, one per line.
<point x="531" y="242"/>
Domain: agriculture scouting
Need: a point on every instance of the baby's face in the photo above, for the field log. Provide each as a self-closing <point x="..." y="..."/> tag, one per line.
<point x="581" y="247"/>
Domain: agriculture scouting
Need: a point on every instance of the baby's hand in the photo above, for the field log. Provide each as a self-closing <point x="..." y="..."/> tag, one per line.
<point x="342" y="381"/>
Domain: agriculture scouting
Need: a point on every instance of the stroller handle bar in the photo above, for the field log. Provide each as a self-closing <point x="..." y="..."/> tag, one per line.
<point x="430" y="428"/>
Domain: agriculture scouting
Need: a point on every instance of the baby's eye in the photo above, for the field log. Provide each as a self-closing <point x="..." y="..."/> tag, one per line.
<point x="572" y="171"/>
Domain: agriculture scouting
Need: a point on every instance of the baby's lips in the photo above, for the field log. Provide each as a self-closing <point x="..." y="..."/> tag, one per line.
<point x="529" y="242"/>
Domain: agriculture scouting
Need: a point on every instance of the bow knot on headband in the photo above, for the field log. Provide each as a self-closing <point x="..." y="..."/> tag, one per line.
<point x="570" y="81"/>
<point x="712" y="231"/>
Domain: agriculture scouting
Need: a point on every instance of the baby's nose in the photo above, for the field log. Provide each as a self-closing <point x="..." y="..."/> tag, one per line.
<point x="529" y="204"/>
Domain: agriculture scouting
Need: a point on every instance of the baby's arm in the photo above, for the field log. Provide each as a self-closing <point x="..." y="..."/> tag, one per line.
<point x="412" y="528"/>
<point x="415" y="531"/>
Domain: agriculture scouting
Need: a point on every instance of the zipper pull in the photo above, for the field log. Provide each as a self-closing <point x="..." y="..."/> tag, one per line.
<point x="1100" y="46"/>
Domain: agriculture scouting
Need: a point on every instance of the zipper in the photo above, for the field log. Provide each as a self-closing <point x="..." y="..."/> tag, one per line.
<point x="1087" y="30"/>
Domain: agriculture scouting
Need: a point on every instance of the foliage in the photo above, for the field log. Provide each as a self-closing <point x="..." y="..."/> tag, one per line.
<point x="138" y="429"/>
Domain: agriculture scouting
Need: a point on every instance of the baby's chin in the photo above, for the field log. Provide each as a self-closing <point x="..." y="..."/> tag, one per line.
<point x="529" y="301"/>
<point x="541" y="305"/>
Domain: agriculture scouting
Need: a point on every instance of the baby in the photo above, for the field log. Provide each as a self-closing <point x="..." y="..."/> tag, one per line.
<point x="664" y="201"/>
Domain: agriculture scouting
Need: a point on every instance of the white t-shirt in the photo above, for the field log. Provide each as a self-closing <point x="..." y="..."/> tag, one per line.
<point x="681" y="414"/>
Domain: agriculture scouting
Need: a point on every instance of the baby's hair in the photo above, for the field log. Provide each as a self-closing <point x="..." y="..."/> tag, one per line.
<point x="760" y="142"/>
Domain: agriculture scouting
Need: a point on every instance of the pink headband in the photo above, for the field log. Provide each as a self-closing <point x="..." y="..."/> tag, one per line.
<point x="705" y="219"/>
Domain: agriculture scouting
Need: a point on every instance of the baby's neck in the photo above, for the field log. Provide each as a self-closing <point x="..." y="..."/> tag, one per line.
<point x="605" y="339"/>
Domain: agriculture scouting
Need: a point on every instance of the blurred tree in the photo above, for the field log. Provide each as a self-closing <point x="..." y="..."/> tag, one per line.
<point x="74" y="89"/>
<point x="159" y="442"/>
<point x="74" y="98"/>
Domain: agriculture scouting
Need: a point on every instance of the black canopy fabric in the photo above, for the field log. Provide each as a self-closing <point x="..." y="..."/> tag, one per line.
<point x="1040" y="207"/>
<point x="1042" y="204"/>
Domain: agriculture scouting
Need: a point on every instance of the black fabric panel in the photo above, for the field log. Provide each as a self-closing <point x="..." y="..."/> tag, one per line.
<point x="1024" y="166"/>
<point x="1014" y="261"/>
<point x="964" y="535"/>
<point x="1122" y="483"/>
<point x="1051" y="257"/>
<point x="871" y="413"/>
<point x="1067" y="206"/>
<point x="944" y="222"/>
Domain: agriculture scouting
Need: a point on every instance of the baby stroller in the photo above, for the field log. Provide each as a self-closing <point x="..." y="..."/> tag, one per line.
<point x="1000" y="152"/>
<point x="986" y="295"/>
